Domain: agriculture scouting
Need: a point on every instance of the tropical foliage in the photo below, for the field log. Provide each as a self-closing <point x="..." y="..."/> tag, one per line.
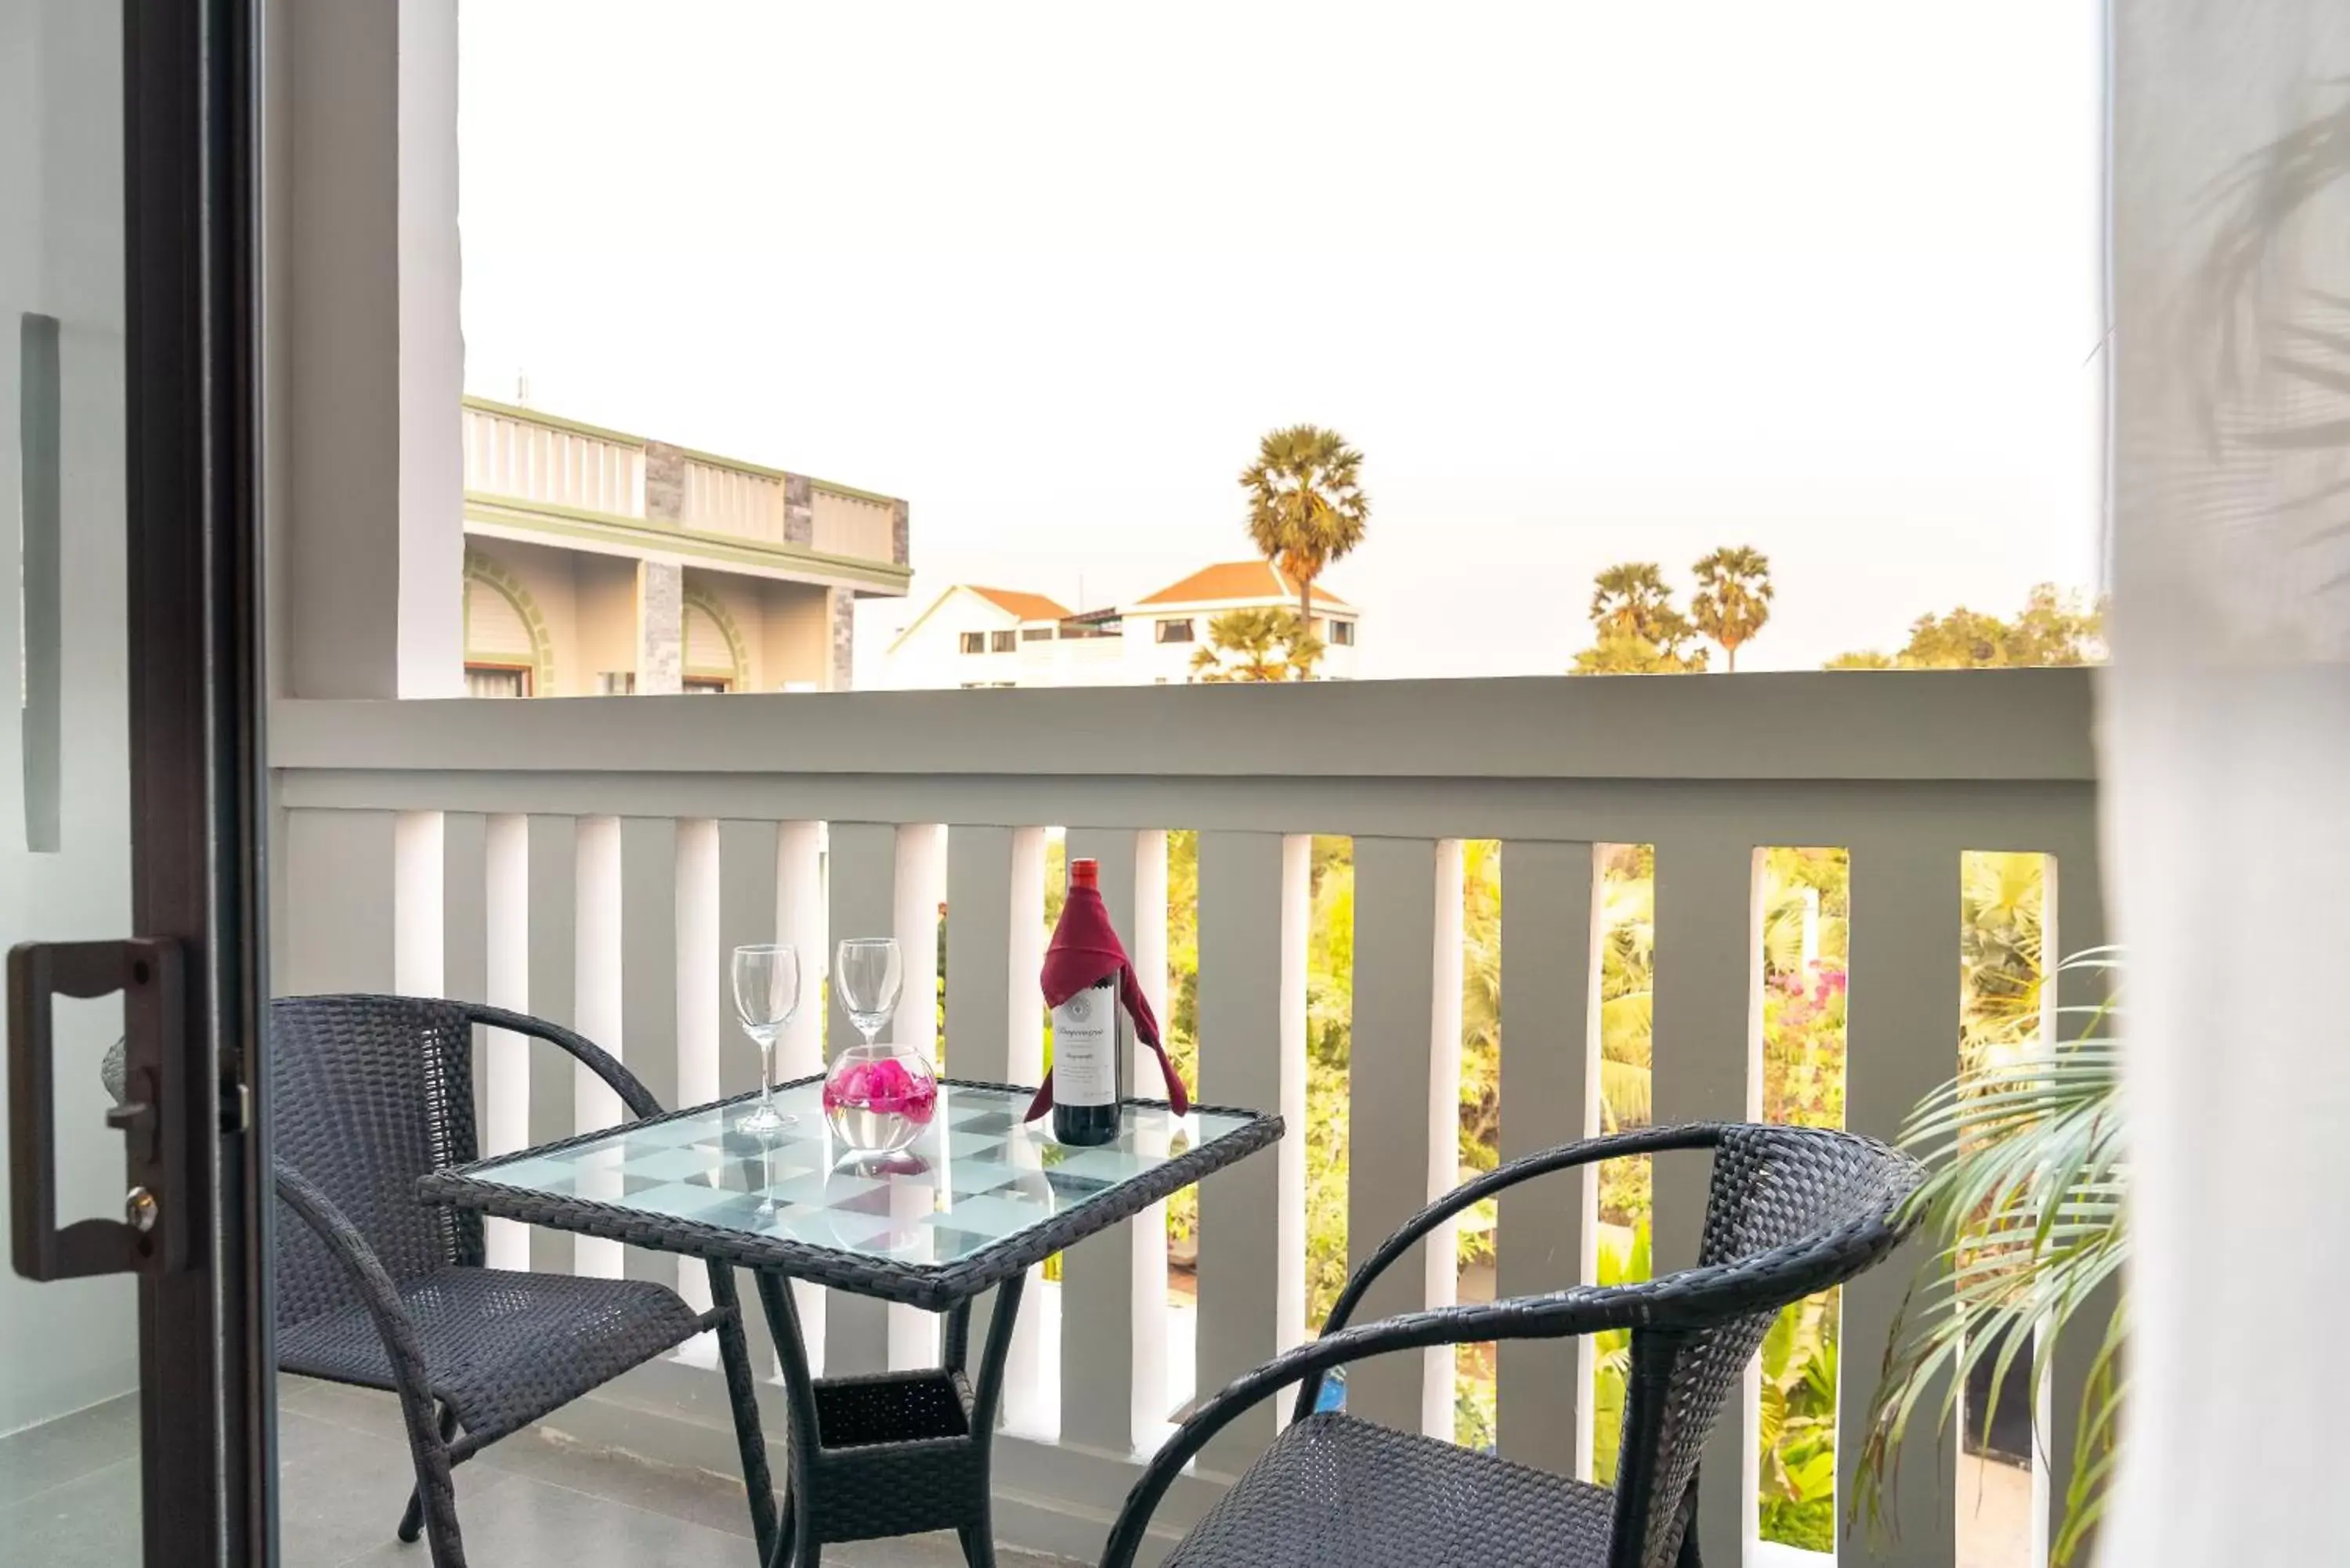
<point x="2025" y="1202"/>
<point x="1623" y="1261"/>
<point x="1798" y="1426"/>
<point x="1632" y="599"/>
<point x="1733" y="598"/>
<point x="1306" y="504"/>
<point x="1261" y="644"/>
<point x="2052" y="627"/>
<point x="1806" y="896"/>
<point x="1805" y="920"/>
<point x="1636" y="629"/>
<point x="1625" y="653"/>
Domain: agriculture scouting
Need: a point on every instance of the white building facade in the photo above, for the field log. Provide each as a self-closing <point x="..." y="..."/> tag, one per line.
<point x="598" y="563"/>
<point x="973" y="637"/>
<point x="1164" y="630"/>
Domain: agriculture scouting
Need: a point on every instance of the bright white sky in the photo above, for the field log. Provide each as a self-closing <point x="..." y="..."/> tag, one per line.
<point x="1586" y="282"/>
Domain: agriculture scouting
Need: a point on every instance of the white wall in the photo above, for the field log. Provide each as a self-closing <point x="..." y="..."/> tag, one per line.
<point x="363" y="290"/>
<point x="63" y="1347"/>
<point x="608" y="617"/>
<point x="1149" y="661"/>
<point x="932" y="658"/>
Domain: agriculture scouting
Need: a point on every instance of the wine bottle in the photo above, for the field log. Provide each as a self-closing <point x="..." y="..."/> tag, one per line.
<point x="1086" y="1050"/>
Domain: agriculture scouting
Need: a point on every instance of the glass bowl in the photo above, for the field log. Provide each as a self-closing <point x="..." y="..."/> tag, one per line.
<point x="879" y="1098"/>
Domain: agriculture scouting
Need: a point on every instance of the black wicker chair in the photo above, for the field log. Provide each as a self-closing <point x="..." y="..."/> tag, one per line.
<point x="376" y="1289"/>
<point x="1791" y="1211"/>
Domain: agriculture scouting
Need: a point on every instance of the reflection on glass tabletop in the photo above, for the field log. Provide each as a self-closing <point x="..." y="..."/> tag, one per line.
<point x="976" y="1179"/>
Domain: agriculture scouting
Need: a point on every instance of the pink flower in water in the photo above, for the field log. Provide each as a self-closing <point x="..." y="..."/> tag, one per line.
<point x="885" y="1085"/>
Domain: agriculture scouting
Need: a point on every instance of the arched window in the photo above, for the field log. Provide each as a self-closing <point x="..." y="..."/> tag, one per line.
<point x="502" y="652"/>
<point x="710" y="661"/>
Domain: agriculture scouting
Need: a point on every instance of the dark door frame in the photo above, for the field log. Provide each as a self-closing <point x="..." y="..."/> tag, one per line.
<point x="190" y="154"/>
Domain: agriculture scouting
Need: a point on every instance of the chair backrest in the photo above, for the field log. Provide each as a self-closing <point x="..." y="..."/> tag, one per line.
<point x="368" y="1094"/>
<point x="1791" y="1211"/>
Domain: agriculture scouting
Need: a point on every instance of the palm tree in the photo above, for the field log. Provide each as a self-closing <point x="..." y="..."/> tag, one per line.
<point x="1733" y="598"/>
<point x="1640" y="631"/>
<point x="1630" y="599"/>
<point x="1256" y="644"/>
<point x="1306" y="505"/>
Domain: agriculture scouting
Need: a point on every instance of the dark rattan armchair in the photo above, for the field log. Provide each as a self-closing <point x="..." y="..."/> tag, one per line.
<point x="377" y="1289"/>
<point x="1791" y="1211"/>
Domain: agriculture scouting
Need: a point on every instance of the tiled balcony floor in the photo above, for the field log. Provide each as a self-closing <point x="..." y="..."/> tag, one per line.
<point x="69" y="1490"/>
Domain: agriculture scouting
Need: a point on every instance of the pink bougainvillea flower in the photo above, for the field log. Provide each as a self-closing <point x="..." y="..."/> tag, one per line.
<point x="884" y="1085"/>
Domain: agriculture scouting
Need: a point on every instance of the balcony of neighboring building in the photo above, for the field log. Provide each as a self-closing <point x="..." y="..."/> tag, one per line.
<point x="601" y="564"/>
<point x="544" y="480"/>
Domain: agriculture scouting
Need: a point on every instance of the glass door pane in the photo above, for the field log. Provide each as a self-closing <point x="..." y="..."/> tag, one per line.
<point x="70" y="1483"/>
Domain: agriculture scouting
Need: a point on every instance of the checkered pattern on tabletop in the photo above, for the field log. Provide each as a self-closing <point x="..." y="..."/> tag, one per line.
<point x="975" y="1176"/>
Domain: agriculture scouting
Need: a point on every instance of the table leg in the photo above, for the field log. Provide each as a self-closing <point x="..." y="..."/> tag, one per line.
<point x="795" y="1545"/>
<point x="987" y="1400"/>
<point x="958" y="1337"/>
<point x="794" y="1542"/>
<point x="741" y="1393"/>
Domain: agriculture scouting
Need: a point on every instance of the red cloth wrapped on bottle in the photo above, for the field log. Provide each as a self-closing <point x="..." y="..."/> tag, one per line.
<point x="1085" y="948"/>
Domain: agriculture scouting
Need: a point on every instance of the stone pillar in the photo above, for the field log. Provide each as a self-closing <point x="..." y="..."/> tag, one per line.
<point x="661" y="628"/>
<point x="799" y="510"/>
<point x="900" y="533"/>
<point x="664" y="481"/>
<point x="840" y="609"/>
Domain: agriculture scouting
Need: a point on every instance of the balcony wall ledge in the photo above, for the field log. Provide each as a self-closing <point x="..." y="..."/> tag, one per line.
<point x="1961" y="727"/>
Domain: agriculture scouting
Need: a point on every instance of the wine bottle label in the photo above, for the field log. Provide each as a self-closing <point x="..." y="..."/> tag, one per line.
<point x="1085" y="1048"/>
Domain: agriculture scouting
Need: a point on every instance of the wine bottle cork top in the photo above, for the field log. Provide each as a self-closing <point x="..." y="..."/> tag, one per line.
<point x="1085" y="874"/>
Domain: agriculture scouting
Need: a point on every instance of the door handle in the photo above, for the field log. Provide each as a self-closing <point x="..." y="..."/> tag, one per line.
<point x="152" y="1115"/>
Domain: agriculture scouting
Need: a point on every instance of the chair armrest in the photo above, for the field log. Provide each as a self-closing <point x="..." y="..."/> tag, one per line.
<point x="1586" y="1310"/>
<point x="597" y="1060"/>
<point x="377" y="1294"/>
<point x="1648" y="1140"/>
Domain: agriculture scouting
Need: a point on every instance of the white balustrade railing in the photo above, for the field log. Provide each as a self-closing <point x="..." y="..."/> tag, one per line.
<point x="854" y="526"/>
<point x="720" y="498"/>
<point x="511" y="453"/>
<point x="594" y="860"/>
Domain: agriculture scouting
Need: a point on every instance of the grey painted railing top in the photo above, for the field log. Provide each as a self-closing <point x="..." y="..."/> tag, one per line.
<point x="1953" y="726"/>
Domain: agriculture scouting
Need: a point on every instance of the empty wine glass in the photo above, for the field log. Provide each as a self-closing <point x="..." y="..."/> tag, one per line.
<point x="766" y="995"/>
<point x="867" y="972"/>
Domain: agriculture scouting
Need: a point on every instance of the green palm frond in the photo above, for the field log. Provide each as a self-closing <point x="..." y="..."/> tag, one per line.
<point x="2025" y="1203"/>
<point x="1624" y="1096"/>
<point x="1256" y="644"/>
<point x="1626" y="1027"/>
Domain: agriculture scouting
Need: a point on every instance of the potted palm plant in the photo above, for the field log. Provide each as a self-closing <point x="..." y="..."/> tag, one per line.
<point x="2024" y="1205"/>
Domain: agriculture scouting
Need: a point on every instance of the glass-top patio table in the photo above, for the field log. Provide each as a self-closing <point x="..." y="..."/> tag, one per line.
<point x="974" y="1201"/>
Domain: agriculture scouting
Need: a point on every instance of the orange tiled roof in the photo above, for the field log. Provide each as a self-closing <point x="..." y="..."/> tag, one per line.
<point x="1238" y="580"/>
<point x="1027" y="607"/>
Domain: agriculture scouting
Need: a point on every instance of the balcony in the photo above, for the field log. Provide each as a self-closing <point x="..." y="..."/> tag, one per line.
<point x="594" y="861"/>
<point x="533" y="478"/>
